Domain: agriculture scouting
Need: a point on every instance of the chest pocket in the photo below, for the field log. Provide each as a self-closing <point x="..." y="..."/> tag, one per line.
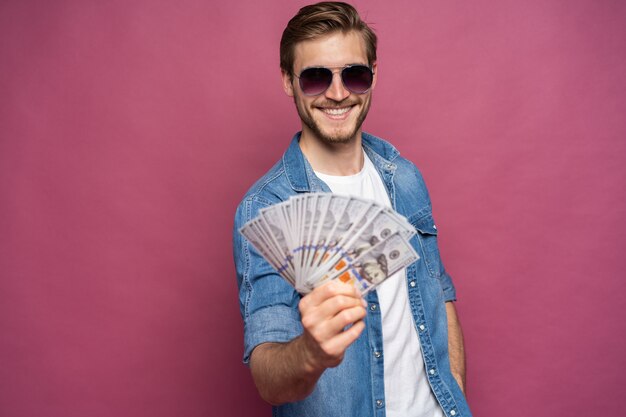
<point x="427" y="236"/>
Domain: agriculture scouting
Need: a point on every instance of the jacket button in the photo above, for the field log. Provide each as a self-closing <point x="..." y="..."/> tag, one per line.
<point x="377" y="354"/>
<point x="379" y="403"/>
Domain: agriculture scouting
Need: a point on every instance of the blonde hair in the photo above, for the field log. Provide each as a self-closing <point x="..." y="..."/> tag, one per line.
<point x="322" y="19"/>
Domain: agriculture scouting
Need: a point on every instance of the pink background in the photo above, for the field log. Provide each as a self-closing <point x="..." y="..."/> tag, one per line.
<point x="129" y="130"/>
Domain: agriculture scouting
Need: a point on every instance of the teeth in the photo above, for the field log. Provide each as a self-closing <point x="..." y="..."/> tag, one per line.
<point x="337" y="112"/>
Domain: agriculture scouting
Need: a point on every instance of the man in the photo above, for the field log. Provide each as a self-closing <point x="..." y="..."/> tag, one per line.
<point x="399" y="351"/>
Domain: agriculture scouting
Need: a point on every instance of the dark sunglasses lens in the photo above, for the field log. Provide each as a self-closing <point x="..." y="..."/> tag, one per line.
<point x="357" y="78"/>
<point x="315" y="81"/>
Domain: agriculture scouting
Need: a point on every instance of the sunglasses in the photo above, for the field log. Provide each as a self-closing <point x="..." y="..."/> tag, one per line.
<point x="356" y="78"/>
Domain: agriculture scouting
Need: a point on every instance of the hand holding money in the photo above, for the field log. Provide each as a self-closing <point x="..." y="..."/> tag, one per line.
<point x="326" y="314"/>
<point x="332" y="316"/>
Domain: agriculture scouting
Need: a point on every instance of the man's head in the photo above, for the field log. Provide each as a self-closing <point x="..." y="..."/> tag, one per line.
<point x="321" y="19"/>
<point x="328" y="65"/>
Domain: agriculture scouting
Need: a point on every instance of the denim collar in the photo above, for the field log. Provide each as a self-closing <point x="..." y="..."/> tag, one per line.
<point x="379" y="151"/>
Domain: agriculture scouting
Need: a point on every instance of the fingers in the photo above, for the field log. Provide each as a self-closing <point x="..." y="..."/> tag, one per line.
<point x="332" y="317"/>
<point x="329" y="290"/>
<point x="322" y="325"/>
<point x="345" y="338"/>
<point x="330" y="308"/>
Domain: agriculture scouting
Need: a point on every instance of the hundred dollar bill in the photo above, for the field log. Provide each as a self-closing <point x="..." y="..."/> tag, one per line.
<point x="340" y="253"/>
<point x="314" y="237"/>
<point x="278" y="234"/>
<point x="261" y="242"/>
<point x="383" y="225"/>
<point x="373" y="266"/>
<point x="332" y="219"/>
<point x="357" y="213"/>
<point x="321" y="221"/>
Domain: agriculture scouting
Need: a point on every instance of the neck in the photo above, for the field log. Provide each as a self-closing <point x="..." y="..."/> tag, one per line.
<point x="344" y="158"/>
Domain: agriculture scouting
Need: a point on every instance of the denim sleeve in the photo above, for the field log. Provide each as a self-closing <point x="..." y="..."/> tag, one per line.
<point x="268" y="303"/>
<point x="449" y="292"/>
<point x="419" y="209"/>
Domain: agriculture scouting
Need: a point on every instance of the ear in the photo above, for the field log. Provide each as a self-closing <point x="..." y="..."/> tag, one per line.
<point x="375" y="70"/>
<point x="287" y="82"/>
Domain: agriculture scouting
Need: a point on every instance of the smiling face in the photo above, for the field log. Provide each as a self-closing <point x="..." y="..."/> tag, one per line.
<point x="336" y="115"/>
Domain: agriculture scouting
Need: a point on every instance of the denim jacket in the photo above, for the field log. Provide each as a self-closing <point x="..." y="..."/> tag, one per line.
<point x="269" y="305"/>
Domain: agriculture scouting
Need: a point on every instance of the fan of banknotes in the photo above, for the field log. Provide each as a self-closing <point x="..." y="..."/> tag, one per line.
<point x="316" y="237"/>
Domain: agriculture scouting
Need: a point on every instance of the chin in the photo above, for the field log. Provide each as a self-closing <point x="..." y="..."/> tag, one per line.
<point x="333" y="136"/>
<point x="337" y="138"/>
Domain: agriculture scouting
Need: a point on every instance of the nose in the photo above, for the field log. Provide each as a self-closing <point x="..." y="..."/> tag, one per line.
<point x="337" y="91"/>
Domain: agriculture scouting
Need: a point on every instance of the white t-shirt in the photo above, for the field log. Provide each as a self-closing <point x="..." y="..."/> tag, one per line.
<point x="407" y="393"/>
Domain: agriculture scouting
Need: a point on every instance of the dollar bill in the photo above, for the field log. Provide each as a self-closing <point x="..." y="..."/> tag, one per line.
<point x="370" y="268"/>
<point x="314" y="237"/>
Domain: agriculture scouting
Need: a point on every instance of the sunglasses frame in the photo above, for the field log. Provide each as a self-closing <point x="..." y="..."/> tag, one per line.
<point x="334" y="70"/>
